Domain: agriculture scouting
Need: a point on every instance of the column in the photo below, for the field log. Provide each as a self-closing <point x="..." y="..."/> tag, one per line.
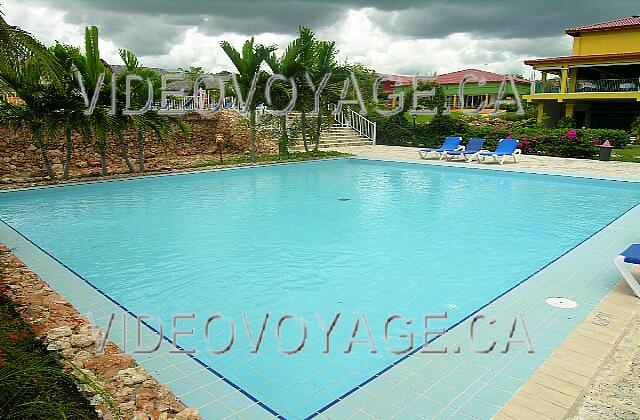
<point x="540" y="111"/>
<point x="568" y="110"/>
<point x="573" y="76"/>
<point x="563" y="80"/>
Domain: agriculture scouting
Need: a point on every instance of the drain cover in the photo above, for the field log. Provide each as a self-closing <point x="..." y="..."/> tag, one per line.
<point x="560" y="302"/>
<point x="344" y="199"/>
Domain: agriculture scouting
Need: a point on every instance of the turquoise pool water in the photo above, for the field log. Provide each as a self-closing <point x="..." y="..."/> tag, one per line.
<point x="313" y="240"/>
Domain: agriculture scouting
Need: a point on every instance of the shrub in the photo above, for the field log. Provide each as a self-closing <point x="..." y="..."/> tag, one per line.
<point x="566" y="122"/>
<point x="635" y="127"/>
<point x="534" y="139"/>
<point x="618" y="138"/>
<point x="433" y="133"/>
<point x="393" y="131"/>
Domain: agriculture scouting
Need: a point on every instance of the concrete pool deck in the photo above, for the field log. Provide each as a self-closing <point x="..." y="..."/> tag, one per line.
<point x="527" y="162"/>
<point x="459" y="385"/>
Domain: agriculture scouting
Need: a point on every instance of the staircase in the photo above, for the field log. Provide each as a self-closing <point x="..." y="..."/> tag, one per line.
<point x="336" y="136"/>
<point x="350" y="129"/>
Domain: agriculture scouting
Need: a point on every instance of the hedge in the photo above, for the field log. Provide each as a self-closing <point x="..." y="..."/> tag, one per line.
<point x="534" y="139"/>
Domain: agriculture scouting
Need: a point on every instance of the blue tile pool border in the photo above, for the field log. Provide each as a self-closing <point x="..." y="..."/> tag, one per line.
<point x="400" y="161"/>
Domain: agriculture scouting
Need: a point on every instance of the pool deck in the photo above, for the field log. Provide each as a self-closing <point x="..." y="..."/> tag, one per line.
<point x="573" y="348"/>
<point x="527" y="162"/>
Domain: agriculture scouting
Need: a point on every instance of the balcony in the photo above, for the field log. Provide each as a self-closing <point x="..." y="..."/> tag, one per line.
<point x="608" y="85"/>
<point x="620" y="89"/>
<point x="548" y="86"/>
<point x="588" y="86"/>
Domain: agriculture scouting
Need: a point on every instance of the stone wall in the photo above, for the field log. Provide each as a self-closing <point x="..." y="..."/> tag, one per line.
<point x="20" y="159"/>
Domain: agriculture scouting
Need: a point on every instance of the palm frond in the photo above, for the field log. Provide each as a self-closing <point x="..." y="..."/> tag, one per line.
<point x="130" y="60"/>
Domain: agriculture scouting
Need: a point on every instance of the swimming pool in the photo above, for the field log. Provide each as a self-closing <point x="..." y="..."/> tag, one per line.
<point x="312" y="240"/>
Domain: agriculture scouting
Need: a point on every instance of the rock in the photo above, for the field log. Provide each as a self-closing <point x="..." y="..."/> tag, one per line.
<point x="82" y="164"/>
<point x="95" y="400"/>
<point x="132" y="376"/>
<point x="149" y="383"/>
<point x="82" y="340"/>
<point x="187" y="414"/>
<point x="127" y="406"/>
<point x="108" y="365"/>
<point x="57" y="333"/>
<point x="58" y="345"/>
<point x="145" y="394"/>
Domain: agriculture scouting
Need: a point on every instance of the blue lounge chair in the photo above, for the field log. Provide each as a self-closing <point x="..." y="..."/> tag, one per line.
<point x="630" y="255"/>
<point x="506" y="147"/>
<point x="450" y="143"/>
<point x="474" y="146"/>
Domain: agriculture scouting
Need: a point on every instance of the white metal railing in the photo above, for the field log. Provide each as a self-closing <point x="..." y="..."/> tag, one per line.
<point x="350" y="118"/>
<point x="608" y="85"/>
<point x="192" y="103"/>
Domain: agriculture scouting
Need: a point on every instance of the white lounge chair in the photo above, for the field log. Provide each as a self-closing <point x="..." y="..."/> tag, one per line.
<point x="630" y="255"/>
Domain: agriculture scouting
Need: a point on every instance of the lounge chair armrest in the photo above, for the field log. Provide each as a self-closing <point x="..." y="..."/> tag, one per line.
<point x="459" y="148"/>
<point x="517" y="152"/>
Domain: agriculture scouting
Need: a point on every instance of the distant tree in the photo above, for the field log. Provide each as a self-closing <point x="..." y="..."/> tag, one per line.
<point x="247" y="64"/>
<point x="288" y="65"/>
<point x="437" y="102"/>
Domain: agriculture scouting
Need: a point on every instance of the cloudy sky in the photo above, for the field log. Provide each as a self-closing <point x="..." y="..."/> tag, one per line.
<point x="401" y="36"/>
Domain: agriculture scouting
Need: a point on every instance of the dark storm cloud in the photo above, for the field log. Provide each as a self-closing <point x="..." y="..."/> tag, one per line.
<point x="133" y="24"/>
<point x="506" y="19"/>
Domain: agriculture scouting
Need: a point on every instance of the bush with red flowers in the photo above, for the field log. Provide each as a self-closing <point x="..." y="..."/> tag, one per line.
<point x="32" y="384"/>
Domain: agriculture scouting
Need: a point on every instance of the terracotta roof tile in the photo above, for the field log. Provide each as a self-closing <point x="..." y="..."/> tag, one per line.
<point x="627" y="22"/>
<point x="633" y="56"/>
<point x="454" y="78"/>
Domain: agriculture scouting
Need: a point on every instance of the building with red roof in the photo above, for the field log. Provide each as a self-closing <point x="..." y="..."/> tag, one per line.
<point x="474" y="93"/>
<point x="598" y="85"/>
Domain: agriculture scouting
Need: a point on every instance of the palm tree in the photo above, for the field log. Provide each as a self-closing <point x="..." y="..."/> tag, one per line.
<point x="29" y="69"/>
<point x="95" y="71"/>
<point x="17" y="45"/>
<point x="289" y="66"/>
<point x="69" y="100"/>
<point x="160" y="125"/>
<point x="38" y="107"/>
<point x="248" y="65"/>
<point x="324" y="63"/>
<point x="33" y="114"/>
<point x="150" y="120"/>
<point x="306" y="57"/>
<point x="138" y="97"/>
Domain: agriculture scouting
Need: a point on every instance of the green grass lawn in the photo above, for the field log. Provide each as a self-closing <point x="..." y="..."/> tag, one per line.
<point x="630" y="153"/>
<point x="419" y="118"/>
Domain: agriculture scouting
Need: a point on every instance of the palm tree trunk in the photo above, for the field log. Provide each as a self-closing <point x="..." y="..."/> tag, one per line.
<point x="124" y="149"/>
<point x="141" y="150"/>
<point x="69" y="149"/>
<point x="252" y="126"/>
<point x="303" y="123"/>
<point x="45" y="159"/>
<point x="103" y="157"/>
<point x="283" y="146"/>
<point x="318" y="130"/>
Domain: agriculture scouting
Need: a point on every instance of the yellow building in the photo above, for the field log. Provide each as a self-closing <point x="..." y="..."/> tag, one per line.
<point x="599" y="83"/>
